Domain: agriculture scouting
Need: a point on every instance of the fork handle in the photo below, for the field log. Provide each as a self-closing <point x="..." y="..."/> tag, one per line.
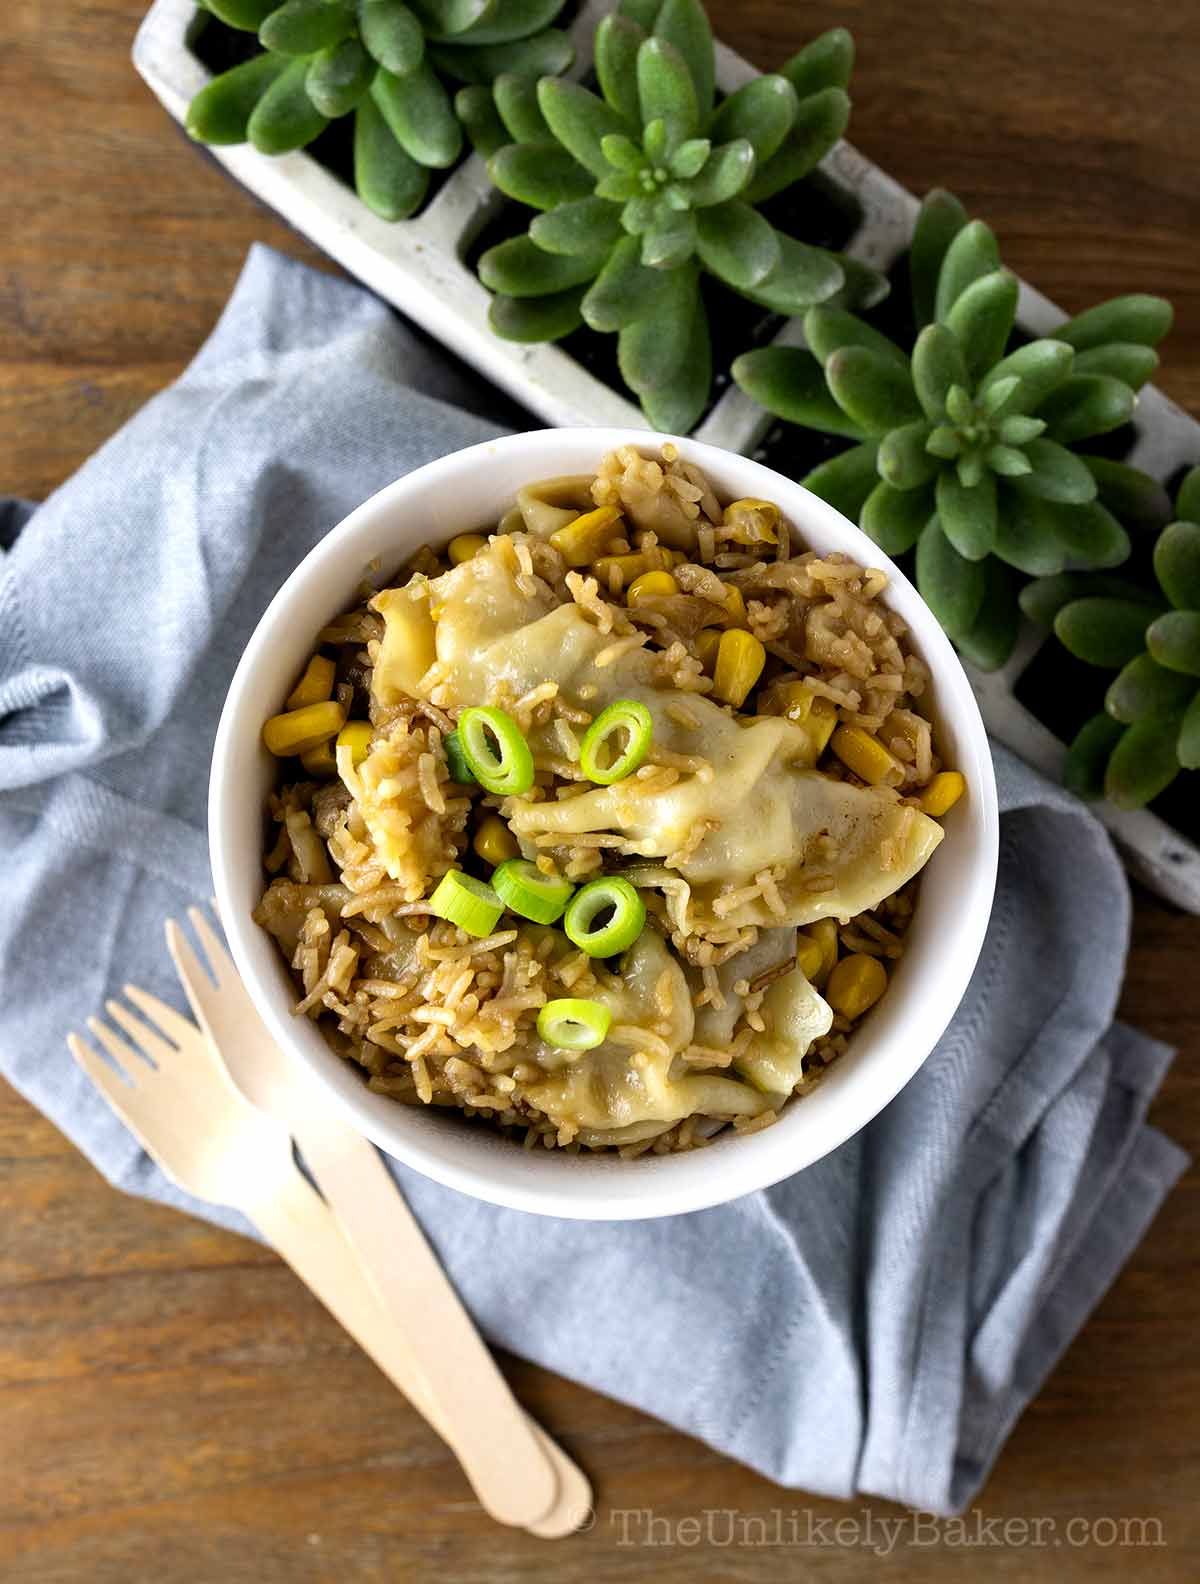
<point x="294" y="1218"/>
<point x="482" y="1420"/>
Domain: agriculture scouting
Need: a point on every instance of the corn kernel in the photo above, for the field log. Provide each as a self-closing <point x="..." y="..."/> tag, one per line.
<point x="319" y="761"/>
<point x="740" y="661"/>
<point x="299" y="730"/>
<point x="464" y="547"/>
<point x="942" y="793"/>
<point x="735" y="607"/>
<point x="866" y="756"/>
<point x="494" y="842"/>
<point x="855" y="984"/>
<point x="651" y="585"/>
<point x="752" y="521"/>
<point x="582" y="541"/>
<point x="825" y="933"/>
<point x="315" y="686"/>
<point x="358" y="737"/>
<point x="809" y="956"/>
<point x="707" y="643"/>
<point x="629" y="566"/>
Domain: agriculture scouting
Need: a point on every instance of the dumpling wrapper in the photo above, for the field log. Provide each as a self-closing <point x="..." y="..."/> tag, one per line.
<point x="766" y="805"/>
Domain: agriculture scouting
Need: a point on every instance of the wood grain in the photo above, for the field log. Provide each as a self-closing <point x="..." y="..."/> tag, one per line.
<point x="172" y="1403"/>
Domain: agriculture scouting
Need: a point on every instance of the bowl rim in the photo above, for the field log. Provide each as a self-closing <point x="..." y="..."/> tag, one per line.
<point x="549" y="1182"/>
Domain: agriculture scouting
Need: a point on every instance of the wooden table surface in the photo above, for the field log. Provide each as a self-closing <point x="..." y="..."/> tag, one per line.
<point x="173" y="1405"/>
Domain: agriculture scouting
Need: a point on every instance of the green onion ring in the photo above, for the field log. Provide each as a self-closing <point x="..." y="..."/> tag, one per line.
<point x="456" y="761"/>
<point x="622" y="715"/>
<point x="524" y="889"/>
<point x="507" y="768"/>
<point x="597" y="897"/>
<point x="467" y="902"/>
<point x="574" y="1025"/>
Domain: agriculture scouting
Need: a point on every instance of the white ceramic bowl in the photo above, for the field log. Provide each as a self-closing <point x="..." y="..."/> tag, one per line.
<point x="469" y="491"/>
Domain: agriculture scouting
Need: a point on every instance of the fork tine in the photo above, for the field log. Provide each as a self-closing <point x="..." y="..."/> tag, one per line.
<point x="118" y="1091"/>
<point x="148" y="1040"/>
<point x="171" y="1023"/>
<point x="128" y="1062"/>
<point x="187" y="963"/>
<point x="219" y="963"/>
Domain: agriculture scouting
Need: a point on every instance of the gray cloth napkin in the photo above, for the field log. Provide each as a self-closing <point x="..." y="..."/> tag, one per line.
<point x="874" y="1324"/>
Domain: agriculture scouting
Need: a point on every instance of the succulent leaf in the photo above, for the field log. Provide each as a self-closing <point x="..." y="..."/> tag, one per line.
<point x="387" y="179"/>
<point x="804" y="276"/>
<point x="1123" y="360"/>
<point x="905" y="459"/>
<point x="895" y="519"/>
<point x="871" y="390"/>
<point x="1039" y="367"/>
<point x="791" y="383"/>
<point x="940" y="220"/>
<point x="669" y="240"/>
<point x="846" y="480"/>
<point x="972" y="254"/>
<point x="507" y="21"/>
<point x="444" y="20"/>
<point x="820" y="121"/>
<point x="1085" y="405"/>
<point x="666" y="91"/>
<point x="1137" y="317"/>
<point x="1133" y="496"/>
<point x="285" y="118"/>
<point x="826" y="329"/>
<point x="1144" y="690"/>
<point x="1056" y="474"/>
<point x="1187" y="502"/>
<point x="982" y="318"/>
<point x="540" y="56"/>
<point x="1174" y="641"/>
<point x="624" y="290"/>
<point x="1143" y="764"/>
<point x="220" y="113"/>
<point x="542" y="175"/>
<point x="1103" y="631"/>
<point x="417" y="108"/>
<point x="1177" y="564"/>
<point x="1042" y="599"/>
<point x="737" y="244"/>
<point x="950" y="585"/>
<point x="991" y="639"/>
<point x="392" y="35"/>
<point x="245" y="15"/>
<point x="1187" y="744"/>
<point x="1088" y="756"/>
<point x="1025" y="536"/>
<point x="761" y="112"/>
<point x="584" y="226"/>
<point x="339" y="77"/>
<point x="476" y="107"/>
<point x="1090" y="534"/>
<point x="968" y="516"/>
<point x="684" y="25"/>
<point x="302" y="27"/>
<point x="652" y="350"/>
<point x="580" y="121"/>
<point x="938" y="366"/>
<point x="519" y="268"/>
<point x="825" y="63"/>
<point x="677" y="407"/>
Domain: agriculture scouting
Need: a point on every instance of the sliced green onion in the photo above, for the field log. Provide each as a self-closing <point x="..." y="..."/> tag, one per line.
<point x="573" y="1025"/>
<point x="467" y="902"/>
<point x="495" y="751"/>
<point x="605" y="916"/>
<point x="600" y="757"/>
<point x="456" y="760"/>
<point x="523" y="887"/>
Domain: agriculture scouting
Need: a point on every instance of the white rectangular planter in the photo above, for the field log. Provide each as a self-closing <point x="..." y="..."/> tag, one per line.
<point x="418" y="265"/>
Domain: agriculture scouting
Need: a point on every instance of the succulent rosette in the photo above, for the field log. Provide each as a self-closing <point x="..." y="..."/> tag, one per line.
<point x="385" y="62"/>
<point x="644" y="187"/>
<point x="965" y="444"/>
<point x="1150" y="727"/>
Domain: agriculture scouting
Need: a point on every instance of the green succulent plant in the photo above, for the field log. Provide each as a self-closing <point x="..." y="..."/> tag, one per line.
<point x="383" y="61"/>
<point x="964" y="447"/>
<point x="1150" y="727"/>
<point x="650" y="183"/>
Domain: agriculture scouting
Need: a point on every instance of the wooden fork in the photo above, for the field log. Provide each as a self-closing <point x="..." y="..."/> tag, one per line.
<point x="174" y="1094"/>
